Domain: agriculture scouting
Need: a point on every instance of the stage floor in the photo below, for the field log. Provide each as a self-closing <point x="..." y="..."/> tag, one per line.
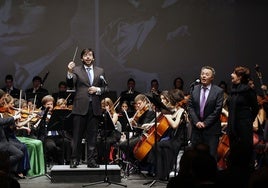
<point x="134" y="180"/>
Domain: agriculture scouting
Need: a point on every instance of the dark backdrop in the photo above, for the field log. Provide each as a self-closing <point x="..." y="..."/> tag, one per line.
<point x="143" y="39"/>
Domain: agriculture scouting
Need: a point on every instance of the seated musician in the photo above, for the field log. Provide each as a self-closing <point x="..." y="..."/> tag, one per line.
<point x="24" y="164"/>
<point x="174" y="138"/>
<point x="110" y="130"/>
<point x="142" y="116"/>
<point x="54" y="141"/>
<point x="26" y="134"/>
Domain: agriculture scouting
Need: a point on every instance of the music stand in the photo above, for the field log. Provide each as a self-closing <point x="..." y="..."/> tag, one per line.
<point x="57" y="122"/>
<point x="108" y="126"/>
<point x="159" y="106"/>
<point x="128" y="129"/>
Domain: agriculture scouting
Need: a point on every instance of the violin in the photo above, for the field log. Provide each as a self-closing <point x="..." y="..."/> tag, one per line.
<point x="262" y="100"/>
<point x="4" y="109"/>
<point x="139" y="113"/>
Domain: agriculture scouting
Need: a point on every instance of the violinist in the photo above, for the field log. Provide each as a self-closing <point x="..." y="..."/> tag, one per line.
<point x="15" y="154"/>
<point x="123" y="115"/>
<point x="10" y="133"/>
<point x="111" y="134"/>
<point x="29" y="117"/>
<point x="61" y="104"/>
<point x="63" y="94"/>
<point x="143" y="115"/>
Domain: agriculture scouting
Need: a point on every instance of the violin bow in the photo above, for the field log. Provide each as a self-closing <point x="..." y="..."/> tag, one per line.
<point x="44" y="79"/>
<point x="20" y="99"/>
<point x="128" y="119"/>
<point x="34" y="102"/>
<point x="259" y="74"/>
<point x="67" y="98"/>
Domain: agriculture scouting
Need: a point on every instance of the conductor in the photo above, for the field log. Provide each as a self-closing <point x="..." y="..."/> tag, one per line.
<point x="90" y="84"/>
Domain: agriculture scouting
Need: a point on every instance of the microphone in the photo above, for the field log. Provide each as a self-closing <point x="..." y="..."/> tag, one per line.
<point x="197" y="81"/>
<point x="103" y="79"/>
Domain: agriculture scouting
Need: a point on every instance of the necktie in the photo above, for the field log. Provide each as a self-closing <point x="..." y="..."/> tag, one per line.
<point x="203" y="101"/>
<point x="89" y="75"/>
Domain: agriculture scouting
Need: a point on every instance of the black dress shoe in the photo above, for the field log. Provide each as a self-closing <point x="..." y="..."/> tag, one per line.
<point x="93" y="165"/>
<point x="150" y="174"/>
<point x="73" y="164"/>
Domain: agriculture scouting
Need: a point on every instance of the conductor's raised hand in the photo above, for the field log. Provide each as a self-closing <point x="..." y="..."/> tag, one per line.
<point x="71" y="65"/>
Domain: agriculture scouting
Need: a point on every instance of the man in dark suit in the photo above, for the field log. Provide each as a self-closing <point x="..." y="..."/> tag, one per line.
<point x="9" y="87"/>
<point x="129" y="94"/>
<point x="36" y="91"/>
<point x="205" y="106"/>
<point x="90" y="84"/>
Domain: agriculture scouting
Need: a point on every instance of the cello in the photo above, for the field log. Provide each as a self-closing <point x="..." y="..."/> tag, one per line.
<point x="147" y="141"/>
<point x="223" y="151"/>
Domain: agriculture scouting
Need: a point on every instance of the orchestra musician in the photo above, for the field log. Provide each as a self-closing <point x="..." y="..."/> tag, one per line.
<point x="123" y="116"/>
<point x="174" y="137"/>
<point x="129" y="94"/>
<point x="63" y="94"/>
<point x="54" y="141"/>
<point x="109" y="134"/>
<point x="15" y="155"/>
<point x="9" y="87"/>
<point x="36" y="91"/>
<point x="143" y="116"/>
<point x="260" y="141"/>
<point x="29" y="117"/>
<point x="10" y="132"/>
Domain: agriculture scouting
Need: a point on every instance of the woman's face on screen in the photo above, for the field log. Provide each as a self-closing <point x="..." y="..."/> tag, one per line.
<point x="33" y="25"/>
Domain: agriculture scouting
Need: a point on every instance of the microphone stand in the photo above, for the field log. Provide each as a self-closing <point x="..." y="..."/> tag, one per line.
<point x="42" y="124"/>
<point x="106" y="178"/>
<point x="155" y="180"/>
<point x="158" y="106"/>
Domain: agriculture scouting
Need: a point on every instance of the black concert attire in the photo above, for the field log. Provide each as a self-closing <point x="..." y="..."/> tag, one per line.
<point x="14" y="92"/>
<point x="243" y="109"/>
<point x="86" y="112"/>
<point x="24" y="164"/>
<point x="54" y="142"/>
<point x="15" y="154"/>
<point x="64" y="95"/>
<point x="112" y="136"/>
<point x="129" y="96"/>
<point x="168" y="147"/>
<point x="147" y="117"/>
<point x="40" y="93"/>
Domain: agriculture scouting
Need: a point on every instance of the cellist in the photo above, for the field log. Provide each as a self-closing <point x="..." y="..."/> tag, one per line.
<point x="174" y="138"/>
<point x="143" y="115"/>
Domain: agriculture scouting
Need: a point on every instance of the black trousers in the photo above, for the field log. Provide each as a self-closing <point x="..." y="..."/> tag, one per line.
<point x="85" y="125"/>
